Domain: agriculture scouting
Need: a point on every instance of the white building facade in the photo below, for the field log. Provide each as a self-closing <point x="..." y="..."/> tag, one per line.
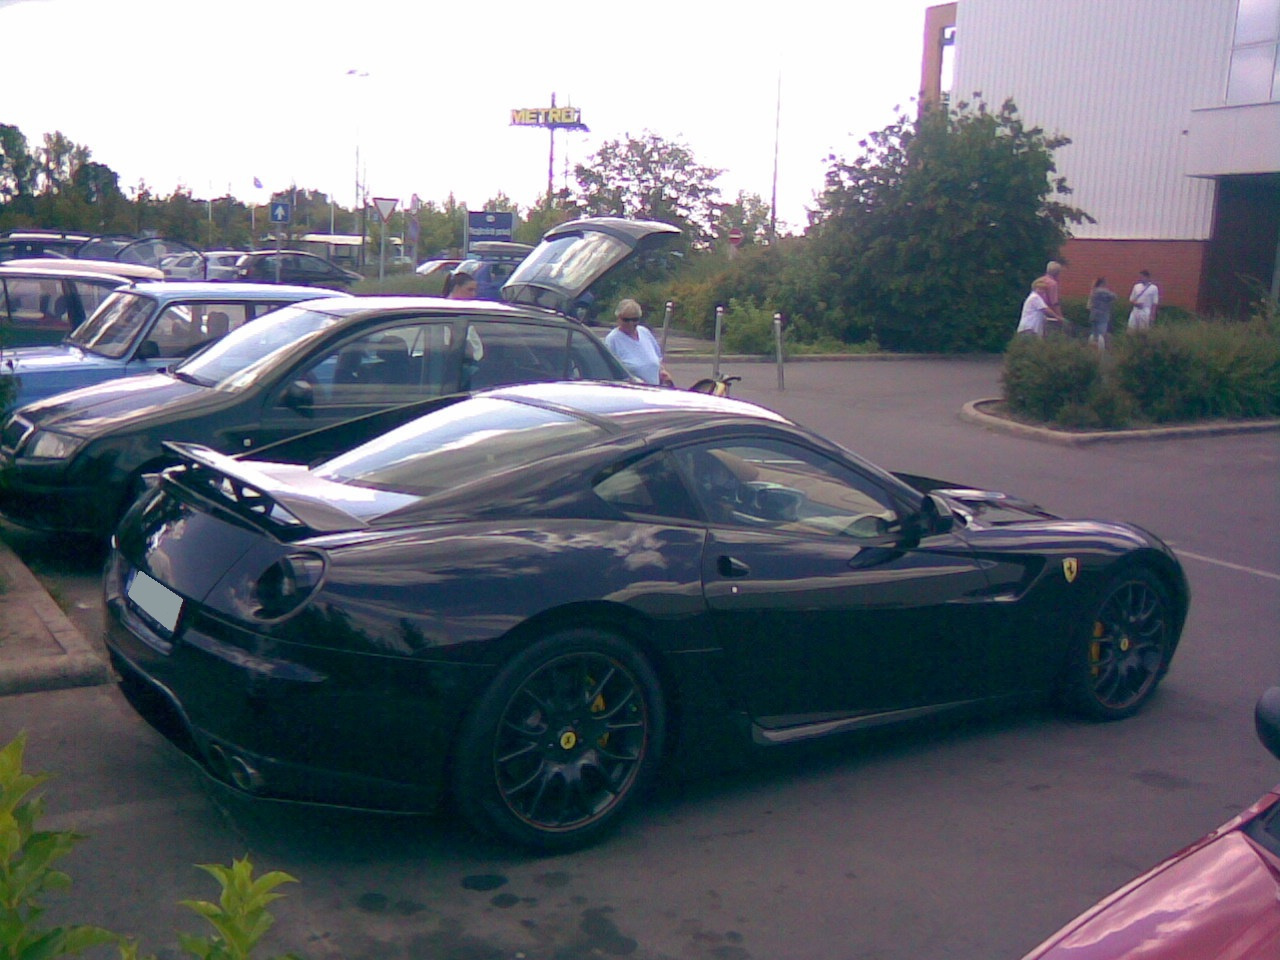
<point x="1173" y="110"/>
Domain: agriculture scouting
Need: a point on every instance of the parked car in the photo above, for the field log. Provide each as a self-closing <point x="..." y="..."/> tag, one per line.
<point x="490" y="262"/>
<point x="21" y="244"/>
<point x="43" y="300"/>
<point x="142" y="328"/>
<point x="1218" y="898"/>
<point x="294" y="266"/>
<point x="149" y="250"/>
<point x="525" y="597"/>
<point x="206" y="265"/>
<point x="74" y="461"/>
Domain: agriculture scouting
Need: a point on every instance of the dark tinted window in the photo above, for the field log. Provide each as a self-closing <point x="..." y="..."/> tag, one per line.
<point x="778" y="485"/>
<point x="650" y="487"/>
<point x="501" y="353"/>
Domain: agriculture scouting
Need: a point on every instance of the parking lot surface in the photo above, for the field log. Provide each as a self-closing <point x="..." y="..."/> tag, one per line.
<point x="964" y="841"/>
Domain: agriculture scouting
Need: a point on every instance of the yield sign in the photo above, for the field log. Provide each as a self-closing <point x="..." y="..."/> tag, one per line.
<point x="386" y="206"/>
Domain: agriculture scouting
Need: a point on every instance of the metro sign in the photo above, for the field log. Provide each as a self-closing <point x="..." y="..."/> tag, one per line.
<point x="556" y="117"/>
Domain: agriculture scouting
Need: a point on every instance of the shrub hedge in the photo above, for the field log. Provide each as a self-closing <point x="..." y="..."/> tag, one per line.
<point x="1183" y="371"/>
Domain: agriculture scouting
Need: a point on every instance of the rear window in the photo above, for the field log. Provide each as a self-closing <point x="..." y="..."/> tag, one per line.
<point x="460" y="444"/>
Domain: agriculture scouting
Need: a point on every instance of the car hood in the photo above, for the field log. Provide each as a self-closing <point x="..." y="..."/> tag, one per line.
<point x="26" y="361"/>
<point x="1218" y="898"/>
<point x="575" y="255"/>
<point x="119" y="402"/>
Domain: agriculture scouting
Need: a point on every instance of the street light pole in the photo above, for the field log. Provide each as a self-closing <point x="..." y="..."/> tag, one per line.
<point x="357" y="209"/>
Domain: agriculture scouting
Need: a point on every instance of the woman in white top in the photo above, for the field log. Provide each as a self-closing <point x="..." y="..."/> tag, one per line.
<point x="1034" y="309"/>
<point x="635" y="345"/>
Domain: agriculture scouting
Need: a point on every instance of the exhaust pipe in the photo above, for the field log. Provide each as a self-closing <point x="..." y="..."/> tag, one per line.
<point x="245" y="776"/>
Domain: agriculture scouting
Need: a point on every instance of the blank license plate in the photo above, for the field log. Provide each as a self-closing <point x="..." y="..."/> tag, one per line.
<point x="155" y="600"/>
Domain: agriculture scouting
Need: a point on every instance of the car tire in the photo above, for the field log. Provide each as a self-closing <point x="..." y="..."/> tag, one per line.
<point x="561" y="742"/>
<point x="1122" y="648"/>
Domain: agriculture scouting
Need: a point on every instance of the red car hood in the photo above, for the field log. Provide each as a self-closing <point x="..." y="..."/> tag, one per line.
<point x="1219" y="899"/>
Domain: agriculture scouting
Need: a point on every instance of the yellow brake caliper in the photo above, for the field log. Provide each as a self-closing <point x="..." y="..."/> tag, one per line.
<point x="1095" y="647"/>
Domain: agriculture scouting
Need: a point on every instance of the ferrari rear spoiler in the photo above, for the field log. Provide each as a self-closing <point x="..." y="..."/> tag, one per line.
<point x="258" y="495"/>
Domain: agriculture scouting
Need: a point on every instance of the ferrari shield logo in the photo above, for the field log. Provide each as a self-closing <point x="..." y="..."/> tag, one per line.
<point x="1070" y="568"/>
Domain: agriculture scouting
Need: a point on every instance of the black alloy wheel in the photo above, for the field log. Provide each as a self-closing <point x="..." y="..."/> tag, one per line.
<point x="568" y="733"/>
<point x="1125" y="648"/>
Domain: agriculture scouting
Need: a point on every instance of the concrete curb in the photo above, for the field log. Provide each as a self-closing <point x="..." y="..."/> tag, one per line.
<point x="59" y="656"/>
<point x="972" y="412"/>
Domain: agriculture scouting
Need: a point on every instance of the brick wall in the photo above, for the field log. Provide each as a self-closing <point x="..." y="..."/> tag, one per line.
<point x="1176" y="267"/>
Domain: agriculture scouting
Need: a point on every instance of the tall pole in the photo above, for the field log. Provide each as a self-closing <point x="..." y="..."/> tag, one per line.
<point x="773" y="203"/>
<point x="551" y="158"/>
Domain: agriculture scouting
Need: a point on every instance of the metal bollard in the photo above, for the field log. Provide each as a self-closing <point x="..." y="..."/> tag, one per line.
<point x="666" y="324"/>
<point x="777" y="339"/>
<point x="715" y="367"/>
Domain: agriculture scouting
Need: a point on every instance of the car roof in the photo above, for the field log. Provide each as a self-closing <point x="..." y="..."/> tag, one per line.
<point x="116" y="268"/>
<point x="222" y="290"/>
<point x="91" y="275"/>
<point x="639" y="405"/>
<point x="272" y="253"/>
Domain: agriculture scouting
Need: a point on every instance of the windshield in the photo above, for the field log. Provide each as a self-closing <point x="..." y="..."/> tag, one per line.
<point x="240" y="358"/>
<point x="459" y="444"/>
<point x="110" y="332"/>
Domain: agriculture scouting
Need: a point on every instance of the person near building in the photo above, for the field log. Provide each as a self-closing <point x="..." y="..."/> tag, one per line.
<point x="1034" y="310"/>
<point x="635" y="345"/>
<point x="1145" y="298"/>
<point x="1055" y="320"/>
<point x="1101" y="299"/>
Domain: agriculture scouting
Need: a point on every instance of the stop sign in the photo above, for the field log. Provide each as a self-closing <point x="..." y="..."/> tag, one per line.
<point x="735" y="236"/>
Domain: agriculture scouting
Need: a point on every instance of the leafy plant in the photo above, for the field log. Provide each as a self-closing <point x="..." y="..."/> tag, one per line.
<point x="240" y="916"/>
<point x="27" y="872"/>
<point x="27" y="857"/>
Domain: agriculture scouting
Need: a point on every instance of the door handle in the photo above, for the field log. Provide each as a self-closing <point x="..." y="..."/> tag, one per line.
<point x="731" y="567"/>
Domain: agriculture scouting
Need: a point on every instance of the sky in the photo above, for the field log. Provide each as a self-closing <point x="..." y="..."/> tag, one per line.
<point x="417" y="95"/>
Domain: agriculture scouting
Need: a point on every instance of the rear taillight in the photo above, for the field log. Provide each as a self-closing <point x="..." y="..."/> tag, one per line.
<point x="287" y="584"/>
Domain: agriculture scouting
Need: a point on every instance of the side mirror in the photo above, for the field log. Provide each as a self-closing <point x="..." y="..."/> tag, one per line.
<point x="147" y="350"/>
<point x="1266" y="717"/>
<point x="941" y="519"/>
<point x="300" y="396"/>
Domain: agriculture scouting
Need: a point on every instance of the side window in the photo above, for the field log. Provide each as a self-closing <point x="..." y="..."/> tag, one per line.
<point x="37" y="302"/>
<point x="587" y="360"/>
<point x="391" y="365"/>
<point x="501" y="353"/>
<point x="774" y="484"/>
<point x="91" y="296"/>
<point x="651" y="487"/>
<point x="177" y="330"/>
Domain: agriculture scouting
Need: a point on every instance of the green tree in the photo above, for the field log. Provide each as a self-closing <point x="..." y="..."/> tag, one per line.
<point x="649" y="178"/>
<point x="748" y="213"/>
<point x="937" y="229"/>
<point x="17" y="172"/>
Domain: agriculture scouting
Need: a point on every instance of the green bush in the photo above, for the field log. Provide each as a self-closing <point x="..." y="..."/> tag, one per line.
<point x="1202" y="370"/>
<point x="1041" y="378"/>
<point x="748" y="328"/>
<point x="1178" y="371"/>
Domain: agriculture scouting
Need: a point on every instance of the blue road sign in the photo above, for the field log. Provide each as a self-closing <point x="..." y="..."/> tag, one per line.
<point x="281" y="211"/>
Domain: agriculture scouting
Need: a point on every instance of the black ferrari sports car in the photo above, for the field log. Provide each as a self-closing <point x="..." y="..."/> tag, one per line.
<point x="529" y="599"/>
